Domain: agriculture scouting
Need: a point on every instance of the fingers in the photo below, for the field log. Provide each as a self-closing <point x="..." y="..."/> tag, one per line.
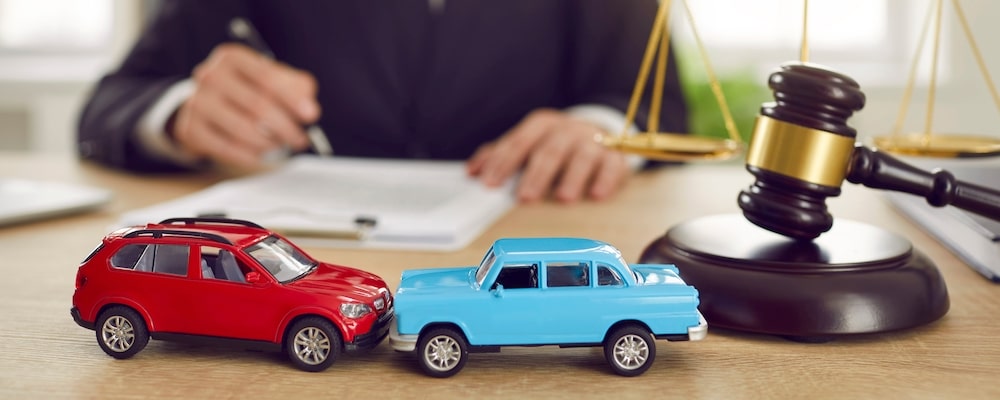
<point x="246" y="104"/>
<point x="474" y="166"/>
<point x="202" y="139"/>
<point x="294" y="90"/>
<point x="559" y="156"/>
<point x="556" y="153"/>
<point x="508" y="153"/>
<point x="579" y="168"/>
<point x="572" y="166"/>
<point x="611" y="175"/>
<point x="262" y="110"/>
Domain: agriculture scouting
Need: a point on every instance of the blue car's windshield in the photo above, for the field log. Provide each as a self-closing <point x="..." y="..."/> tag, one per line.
<point x="625" y="266"/>
<point x="484" y="266"/>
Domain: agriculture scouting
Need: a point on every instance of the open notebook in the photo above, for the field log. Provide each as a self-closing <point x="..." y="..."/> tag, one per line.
<point x="352" y="202"/>
<point x="23" y="200"/>
<point x="973" y="238"/>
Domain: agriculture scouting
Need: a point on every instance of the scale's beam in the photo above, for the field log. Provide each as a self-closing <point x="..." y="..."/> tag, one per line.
<point x="674" y="147"/>
<point x="938" y="145"/>
<point x="927" y="143"/>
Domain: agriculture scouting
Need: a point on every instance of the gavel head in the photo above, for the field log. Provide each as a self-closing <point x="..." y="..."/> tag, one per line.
<point x="800" y="150"/>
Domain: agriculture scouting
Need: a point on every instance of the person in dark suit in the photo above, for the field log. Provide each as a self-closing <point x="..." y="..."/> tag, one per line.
<point x="508" y="85"/>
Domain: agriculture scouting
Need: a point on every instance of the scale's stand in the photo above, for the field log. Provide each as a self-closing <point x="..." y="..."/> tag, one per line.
<point x="657" y="145"/>
<point x="928" y="143"/>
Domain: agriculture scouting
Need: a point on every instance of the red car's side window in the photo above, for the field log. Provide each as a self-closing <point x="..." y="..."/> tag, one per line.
<point x="127" y="256"/>
<point x="221" y="264"/>
<point x="160" y="258"/>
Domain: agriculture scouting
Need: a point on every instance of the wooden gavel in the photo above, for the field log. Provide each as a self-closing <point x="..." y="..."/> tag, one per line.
<point x="802" y="150"/>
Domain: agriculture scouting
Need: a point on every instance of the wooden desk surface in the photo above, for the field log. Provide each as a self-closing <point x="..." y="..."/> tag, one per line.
<point x="44" y="354"/>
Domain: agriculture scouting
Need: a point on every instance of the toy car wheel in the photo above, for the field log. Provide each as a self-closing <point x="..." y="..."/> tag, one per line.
<point x="121" y="332"/>
<point x="630" y="350"/>
<point x="442" y="352"/>
<point x="313" y="344"/>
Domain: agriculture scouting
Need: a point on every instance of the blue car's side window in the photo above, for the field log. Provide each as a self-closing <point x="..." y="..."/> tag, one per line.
<point x="518" y="276"/>
<point x="606" y="276"/>
<point x="567" y="274"/>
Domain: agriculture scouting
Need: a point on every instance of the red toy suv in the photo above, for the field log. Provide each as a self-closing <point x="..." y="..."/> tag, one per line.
<point x="212" y="279"/>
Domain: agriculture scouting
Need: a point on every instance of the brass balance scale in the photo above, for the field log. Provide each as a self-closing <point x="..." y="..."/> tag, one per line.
<point x="666" y="146"/>
<point x="927" y="143"/>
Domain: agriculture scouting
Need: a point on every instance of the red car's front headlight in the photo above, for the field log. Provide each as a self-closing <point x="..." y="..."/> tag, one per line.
<point x="355" y="310"/>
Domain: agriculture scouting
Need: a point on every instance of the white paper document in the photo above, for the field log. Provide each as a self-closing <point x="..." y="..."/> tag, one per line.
<point x="23" y="200"/>
<point x="418" y="205"/>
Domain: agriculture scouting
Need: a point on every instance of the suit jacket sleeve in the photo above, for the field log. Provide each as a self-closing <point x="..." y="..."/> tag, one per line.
<point x="180" y="35"/>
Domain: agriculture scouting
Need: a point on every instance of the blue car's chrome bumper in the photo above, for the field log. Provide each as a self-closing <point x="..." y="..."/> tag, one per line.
<point x="401" y="342"/>
<point x="698" y="332"/>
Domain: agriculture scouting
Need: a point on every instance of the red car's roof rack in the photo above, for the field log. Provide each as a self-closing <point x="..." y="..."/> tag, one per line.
<point x="210" y="220"/>
<point x="158" y="233"/>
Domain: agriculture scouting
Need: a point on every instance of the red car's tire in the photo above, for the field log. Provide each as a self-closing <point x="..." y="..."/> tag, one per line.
<point x="121" y="332"/>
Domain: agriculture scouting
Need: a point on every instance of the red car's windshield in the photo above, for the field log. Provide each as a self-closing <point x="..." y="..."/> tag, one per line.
<point x="281" y="259"/>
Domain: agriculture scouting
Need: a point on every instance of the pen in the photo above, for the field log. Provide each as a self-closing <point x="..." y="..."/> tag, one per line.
<point x="241" y="29"/>
<point x="363" y="225"/>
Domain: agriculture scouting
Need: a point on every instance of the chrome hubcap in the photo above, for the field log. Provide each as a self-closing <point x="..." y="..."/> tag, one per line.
<point x="631" y="352"/>
<point x="312" y="346"/>
<point x="118" y="334"/>
<point x="442" y="353"/>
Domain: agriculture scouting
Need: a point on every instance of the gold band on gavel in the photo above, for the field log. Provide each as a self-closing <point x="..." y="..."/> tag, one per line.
<point x="811" y="155"/>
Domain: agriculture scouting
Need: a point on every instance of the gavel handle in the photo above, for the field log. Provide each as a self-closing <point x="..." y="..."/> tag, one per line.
<point x="881" y="171"/>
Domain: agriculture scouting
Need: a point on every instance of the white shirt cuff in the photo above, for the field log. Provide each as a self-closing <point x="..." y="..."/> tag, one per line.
<point x="612" y="121"/>
<point x="152" y="128"/>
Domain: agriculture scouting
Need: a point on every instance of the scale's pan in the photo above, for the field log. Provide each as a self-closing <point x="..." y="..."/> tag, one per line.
<point x="940" y="145"/>
<point x="674" y="146"/>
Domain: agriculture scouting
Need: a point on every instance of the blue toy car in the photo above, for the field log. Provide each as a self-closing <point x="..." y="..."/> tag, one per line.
<point x="544" y="291"/>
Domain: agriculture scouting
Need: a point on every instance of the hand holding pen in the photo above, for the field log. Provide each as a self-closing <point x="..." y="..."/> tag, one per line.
<point x="246" y="107"/>
<point x="241" y="29"/>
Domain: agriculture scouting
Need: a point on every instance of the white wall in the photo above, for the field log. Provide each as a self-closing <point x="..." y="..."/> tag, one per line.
<point x="41" y="94"/>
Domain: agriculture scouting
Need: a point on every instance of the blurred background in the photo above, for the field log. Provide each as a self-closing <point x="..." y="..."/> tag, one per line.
<point x="52" y="52"/>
